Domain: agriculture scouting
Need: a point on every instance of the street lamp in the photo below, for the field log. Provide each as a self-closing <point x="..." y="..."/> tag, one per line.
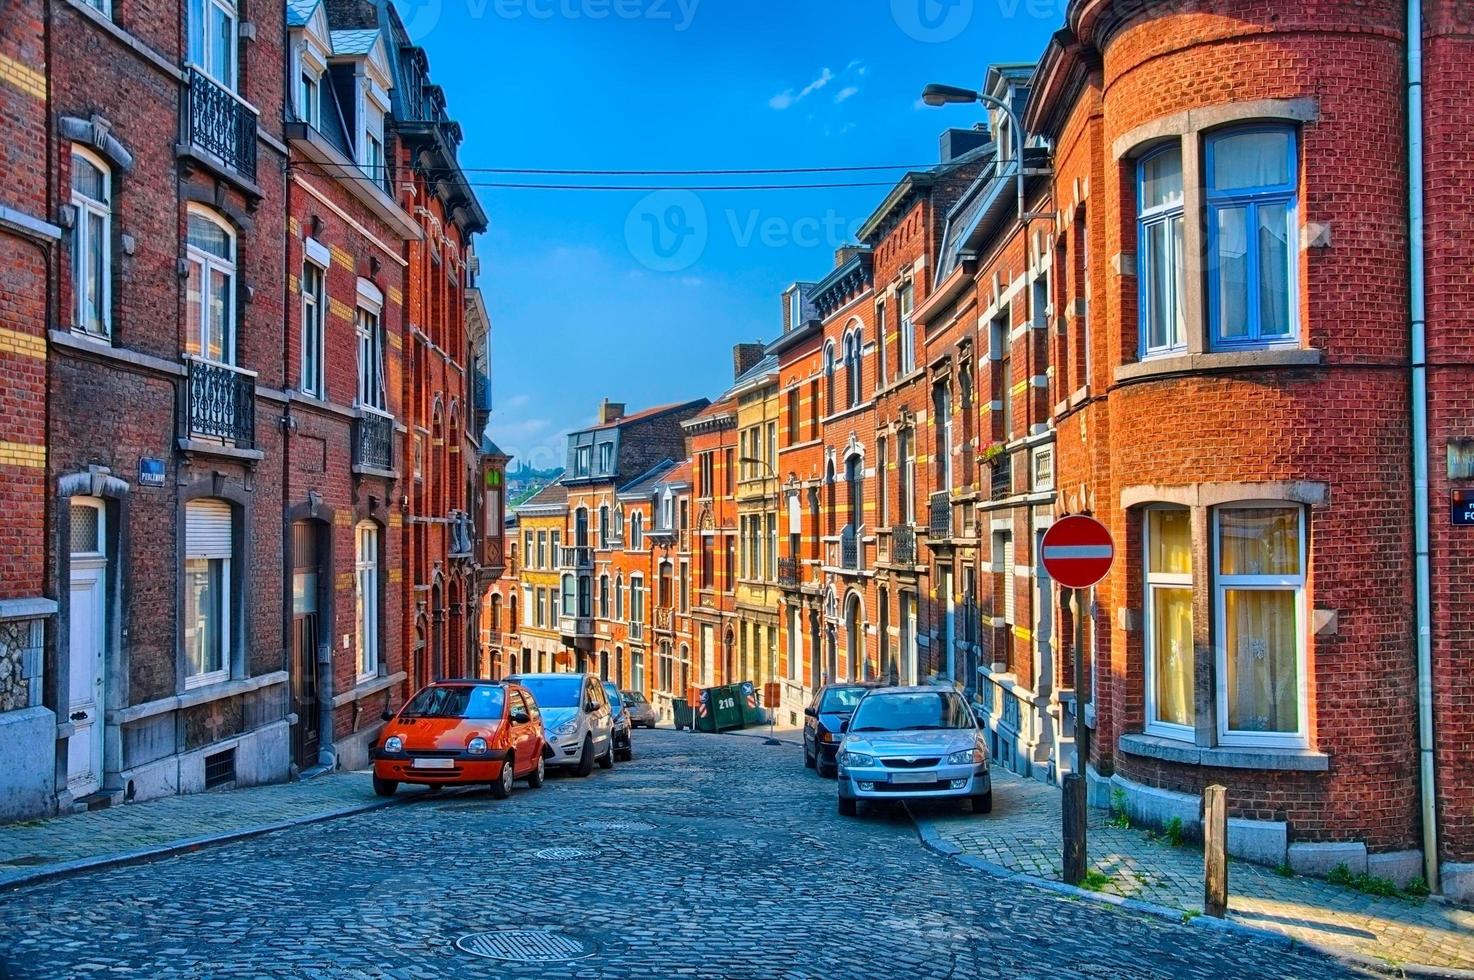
<point x="936" y="95"/>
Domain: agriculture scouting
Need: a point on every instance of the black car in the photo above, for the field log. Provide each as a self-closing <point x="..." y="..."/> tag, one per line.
<point x="832" y="704"/>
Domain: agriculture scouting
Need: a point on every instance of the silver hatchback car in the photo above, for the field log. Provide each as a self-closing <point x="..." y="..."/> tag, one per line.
<point x="913" y="743"/>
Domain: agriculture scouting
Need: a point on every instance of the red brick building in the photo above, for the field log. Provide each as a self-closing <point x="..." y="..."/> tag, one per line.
<point x="711" y="441"/>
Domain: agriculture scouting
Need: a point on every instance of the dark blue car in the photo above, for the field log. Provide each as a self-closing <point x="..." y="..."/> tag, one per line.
<point x="624" y="748"/>
<point x="832" y="704"/>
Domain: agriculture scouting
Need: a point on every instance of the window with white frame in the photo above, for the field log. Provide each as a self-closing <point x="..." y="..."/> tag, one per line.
<point x="603" y="596"/>
<point x="606" y="458"/>
<point x="829" y="378"/>
<point x="210" y="288"/>
<point x="637" y="532"/>
<point x="619" y="597"/>
<point x="366" y="573"/>
<point x="1043" y="465"/>
<point x="908" y="334"/>
<point x="104" y="7"/>
<point x="880" y="342"/>
<point x="1169" y="621"/>
<point x="370" y="330"/>
<point x="92" y="250"/>
<point x="1251" y="222"/>
<point x="570" y="596"/>
<point x="212" y="39"/>
<point x="852" y="368"/>
<point x="208" y="589"/>
<point x="309" y="97"/>
<point x="314" y="321"/>
<point x="528" y="604"/>
<point x="637" y="599"/>
<point x="1259" y="607"/>
<point x="1160" y="266"/>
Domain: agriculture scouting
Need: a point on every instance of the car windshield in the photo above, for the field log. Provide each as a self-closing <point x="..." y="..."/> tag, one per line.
<point x="554" y="692"/>
<point x="456" y="702"/>
<point x="633" y="697"/>
<point x="911" y="711"/>
<point x="615" y="701"/>
<point x="840" y="700"/>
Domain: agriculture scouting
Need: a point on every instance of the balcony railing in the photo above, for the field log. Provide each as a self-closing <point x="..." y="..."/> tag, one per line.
<point x="940" y="525"/>
<point x="221" y="404"/>
<point x="903" y="544"/>
<point x="219" y="123"/>
<point x="849" y="548"/>
<point x="576" y="625"/>
<point x="1002" y="482"/>
<point x="789" y="572"/>
<point x="578" y="559"/>
<point x="373" y="441"/>
<point x="636" y="630"/>
<point x="462" y="530"/>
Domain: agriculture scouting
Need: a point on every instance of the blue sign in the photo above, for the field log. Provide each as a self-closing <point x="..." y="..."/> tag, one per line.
<point x="1462" y="507"/>
<point x="150" y="472"/>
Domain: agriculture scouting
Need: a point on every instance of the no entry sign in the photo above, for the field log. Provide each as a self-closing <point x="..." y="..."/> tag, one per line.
<point x="1078" y="552"/>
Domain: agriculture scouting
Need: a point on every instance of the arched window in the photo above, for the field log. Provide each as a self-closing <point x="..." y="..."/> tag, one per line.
<point x="92" y="250"/>
<point x="496" y="612"/>
<point x="852" y="367"/>
<point x="829" y="378"/>
<point x="637" y="532"/>
<point x="619" y="525"/>
<point x="603" y="525"/>
<point x="211" y="288"/>
<point x="603" y="596"/>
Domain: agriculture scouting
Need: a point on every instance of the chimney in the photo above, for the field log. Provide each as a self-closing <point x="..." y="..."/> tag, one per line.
<point x="844" y="253"/>
<point x="745" y="356"/>
<point x="956" y="142"/>
<point x="609" y="411"/>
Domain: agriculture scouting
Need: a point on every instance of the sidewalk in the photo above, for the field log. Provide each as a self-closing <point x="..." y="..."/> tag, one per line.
<point x="1022" y="835"/>
<point x="40" y="849"/>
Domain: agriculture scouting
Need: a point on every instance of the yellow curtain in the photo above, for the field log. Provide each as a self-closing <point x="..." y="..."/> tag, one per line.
<point x="1172" y="635"/>
<point x="1263" y="686"/>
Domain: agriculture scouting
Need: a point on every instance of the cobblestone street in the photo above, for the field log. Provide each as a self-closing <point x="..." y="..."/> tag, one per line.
<point x="705" y="857"/>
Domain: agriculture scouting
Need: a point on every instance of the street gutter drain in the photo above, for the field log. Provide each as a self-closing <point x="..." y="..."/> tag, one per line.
<point x="616" y="825"/>
<point x="563" y="854"/>
<point x="524" y="946"/>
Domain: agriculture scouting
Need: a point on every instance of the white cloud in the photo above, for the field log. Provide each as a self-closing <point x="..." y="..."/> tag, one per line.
<point x="516" y="401"/>
<point x="789" y="97"/>
<point x="847" y="92"/>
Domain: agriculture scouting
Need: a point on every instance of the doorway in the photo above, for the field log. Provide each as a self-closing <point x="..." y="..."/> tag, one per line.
<point x="308" y="578"/>
<point x="87" y="625"/>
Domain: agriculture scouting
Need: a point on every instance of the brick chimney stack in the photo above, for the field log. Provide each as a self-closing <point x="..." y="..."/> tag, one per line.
<point x="609" y="411"/>
<point x="745" y="356"/>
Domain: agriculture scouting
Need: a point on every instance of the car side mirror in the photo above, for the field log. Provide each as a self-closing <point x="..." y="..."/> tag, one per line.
<point x="591" y="706"/>
<point x="520" y="718"/>
<point x="387" y="716"/>
<point x="810" y="712"/>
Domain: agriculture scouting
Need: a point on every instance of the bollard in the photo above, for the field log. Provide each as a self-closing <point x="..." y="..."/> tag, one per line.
<point x="1073" y="810"/>
<point x="1215" y="851"/>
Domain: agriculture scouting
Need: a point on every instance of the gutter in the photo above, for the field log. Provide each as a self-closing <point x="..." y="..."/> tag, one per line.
<point x="1418" y="317"/>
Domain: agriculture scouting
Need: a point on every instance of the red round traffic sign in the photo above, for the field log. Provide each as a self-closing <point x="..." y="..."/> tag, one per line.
<point x="1078" y="551"/>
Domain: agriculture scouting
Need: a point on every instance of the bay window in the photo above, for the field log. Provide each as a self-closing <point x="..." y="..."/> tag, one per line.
<point x="91" y="242"/>
<point x="210" y="290"/>
<point x="1251" y="198"/>
<point x="1161" y="270"/>
<point x="1169" y="621"/>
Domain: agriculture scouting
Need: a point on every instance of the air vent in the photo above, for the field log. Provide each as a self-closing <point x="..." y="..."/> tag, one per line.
<point x="220" y="768"/>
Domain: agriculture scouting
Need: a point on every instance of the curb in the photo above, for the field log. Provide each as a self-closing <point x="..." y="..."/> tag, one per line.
<point x="158" y="852"/>
<point x="934" y="842"/>
<point x="776" y="738"/>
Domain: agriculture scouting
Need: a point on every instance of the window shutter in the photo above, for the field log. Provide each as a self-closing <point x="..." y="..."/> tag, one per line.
<point x="207" y="529"/>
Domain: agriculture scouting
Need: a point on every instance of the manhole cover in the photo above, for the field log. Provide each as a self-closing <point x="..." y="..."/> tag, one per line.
<point x="524" y="946"/>
<point x="563" y="854"/>
<point x="616" y="825"/>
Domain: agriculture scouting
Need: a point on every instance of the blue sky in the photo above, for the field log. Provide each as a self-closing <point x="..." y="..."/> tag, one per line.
<point x="640" y="298"/>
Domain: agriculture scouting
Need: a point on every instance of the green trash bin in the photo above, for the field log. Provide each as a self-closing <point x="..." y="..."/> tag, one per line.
<point x="720" y="709"/>
<point x="747" y="701"/>
<point x="682" y="709"/>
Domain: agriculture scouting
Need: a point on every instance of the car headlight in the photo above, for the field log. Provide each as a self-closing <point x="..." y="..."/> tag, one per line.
<point x="477" y="746"/>
<point x="826" y="736"/>
<point x="974" y="756"/>
<point x="566" y="729"/>
<point x="854" y="759"/>
<point x="393" y="744"/>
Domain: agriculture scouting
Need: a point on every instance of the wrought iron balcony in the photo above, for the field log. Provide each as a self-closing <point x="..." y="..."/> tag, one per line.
<point x="221" y="404"/>
<point x="903" y="544"/>
<point x="577" y="558"/>
<point x="849" y="548"/>
<point x="1002" y="482"/>
<point x="789" y="573"/>
<point x="940" y="525"/>
<point x="373" y="441"/>
<point x="219" y="123"/>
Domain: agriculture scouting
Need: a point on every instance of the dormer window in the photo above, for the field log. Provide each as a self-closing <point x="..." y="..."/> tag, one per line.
<point x="212" y="39"/>
<point x="373" y="161"/>
<point x="309" y="98"/>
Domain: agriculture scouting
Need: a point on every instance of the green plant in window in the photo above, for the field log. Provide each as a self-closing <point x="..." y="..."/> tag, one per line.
<point x="992" y="454"/>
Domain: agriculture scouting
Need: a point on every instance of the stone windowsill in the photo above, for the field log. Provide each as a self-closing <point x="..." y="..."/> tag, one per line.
<point x="199" y="695"/>
<point x="368" y="689"/>
<point x="1207" y="363"/>
<point x="201" y="447"/>
<point x="1228" y="757"/>
<point x="363" y="469"/>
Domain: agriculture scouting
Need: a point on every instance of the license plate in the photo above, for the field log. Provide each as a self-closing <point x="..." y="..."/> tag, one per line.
<point x="434" y="763"/>
<point x="913" y="777"/>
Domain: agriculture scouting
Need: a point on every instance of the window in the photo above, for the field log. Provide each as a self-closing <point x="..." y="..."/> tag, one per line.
<point x="374" y="162"/>
<point x="314" y="309"/>
<point x="908" y="335"/>
<point x="528" y="604"/>
<point x="637" y="599"/>
<point x="1160" y="268"/>
<point x="542" y="550"/>
<point x="309" y="100"/>
<point x="584" y="456"/>
<point x="637" y="671"/>
<point x="606" y="458"/>
<point x="1169" y="622"/>
<point x="1043" y="462"/>
<point x="905" y="493"/>
<point x="104" y="7"/>
<point x="370" y="355"/>
<point x="882" y="488"/>
<point x="212" y="39"/>
<point x="731" y="472"/>
<point x="942" y="410"/>
<point x="880" y="343"/>
<point x="92" y="233"/>
<point x="619" y="597"/>
<point x="603" y="596"/>
<point x="852" y="369"/>
<point x="367" y="576"/>
<point x="1003" y="551"/>
<point x="603" y="525"/>
<point x="829" y="379"/>
<point x="683" y="598"/>
<point x="1251" y="198"/>
<point x="771" y="565"/>
<point x="527" y="550"/>
<point x="1260" y="629"/>
<point x="792" y="415"/>
<point x="209" y="534"/>
<point x="618" y="522"/>
<point x="637" y="531"/>
<point x="210" y="292"/>
<point x="542" y="598"/>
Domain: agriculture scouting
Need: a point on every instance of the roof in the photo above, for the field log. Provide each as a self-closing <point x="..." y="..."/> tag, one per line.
<point x="646" y="481"/>
<point x="765" y="366"/>
<point x="552" y="495"/>
<point x="299" y="12"/>
<point x="358" y="41"/>
<point x="679" y="475"/>
<point x="489" y="448"/>
<point x="642" y="415"/>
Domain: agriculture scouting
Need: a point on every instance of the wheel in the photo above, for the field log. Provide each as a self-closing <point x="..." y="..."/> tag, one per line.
<point x="627" y="753"/>
<point x="536" y="777"/>
<point x="502" y="788"/>
<point x="585" y="757"/>
<point x="385" y="787"/>
<point x="848" y="808"/>
<point x="983" y="802"/>
<point x="606" y="761"/>
<point x="808" y="759"/>
<point x="826" y="769"/>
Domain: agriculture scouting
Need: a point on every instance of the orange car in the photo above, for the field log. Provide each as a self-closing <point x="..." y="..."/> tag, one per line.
<point x="456" y="732"/>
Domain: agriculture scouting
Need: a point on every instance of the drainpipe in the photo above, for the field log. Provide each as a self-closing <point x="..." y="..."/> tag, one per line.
<point x="1419" y="343"/>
